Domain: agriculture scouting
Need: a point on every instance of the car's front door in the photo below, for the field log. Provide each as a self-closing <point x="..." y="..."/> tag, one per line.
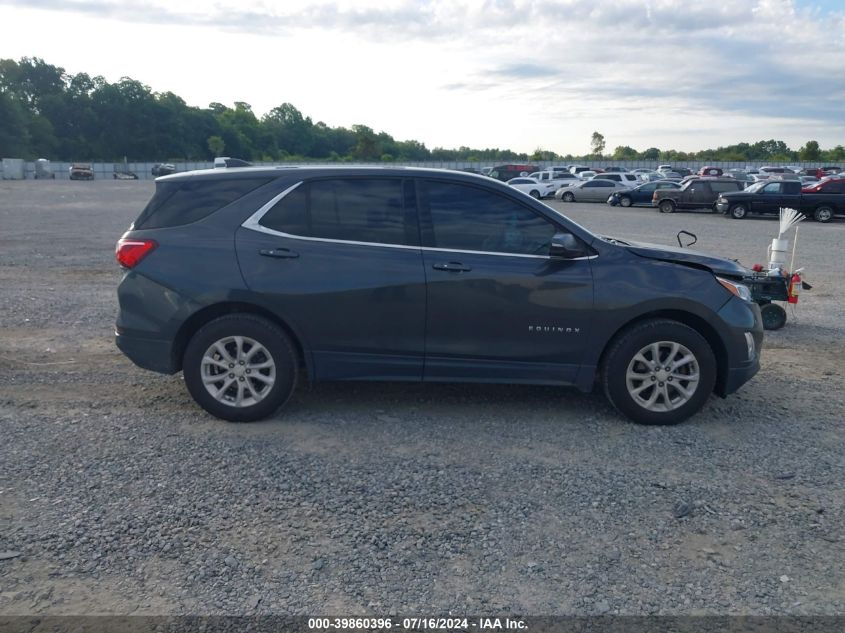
<point x="700" y="195"/>
<point x="339" y="260"/>
<point x="597" y="190"/>
<point x="768" y="199"/>
<point x="499" y="307"/>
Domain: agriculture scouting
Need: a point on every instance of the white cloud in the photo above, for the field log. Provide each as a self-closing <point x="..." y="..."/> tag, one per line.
<point x="486" y="73"/>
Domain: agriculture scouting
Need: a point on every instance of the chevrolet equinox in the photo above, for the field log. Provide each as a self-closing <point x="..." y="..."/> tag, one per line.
<point x="248" y="279"/>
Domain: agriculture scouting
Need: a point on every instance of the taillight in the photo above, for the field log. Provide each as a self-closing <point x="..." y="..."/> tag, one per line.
<point x="129" y="252"/>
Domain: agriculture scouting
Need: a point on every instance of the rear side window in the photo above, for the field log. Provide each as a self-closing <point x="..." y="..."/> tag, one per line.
<point x="371" y="210"/>
<point x="184" y="201"/>
<point x="721" y="187"/>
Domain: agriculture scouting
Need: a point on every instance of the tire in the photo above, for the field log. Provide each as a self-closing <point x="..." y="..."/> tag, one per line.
<point x="237" y="335"/>
<point x="738" y="211"/>
<point x="650" y="400"/>
<point x="773" y="316"/>
<point x="568" y="197"/>
<point x="534" y="194"/>
<point x="625" y="201"/>
<point x="823" y="214"/>
<point x="666" y="206"/>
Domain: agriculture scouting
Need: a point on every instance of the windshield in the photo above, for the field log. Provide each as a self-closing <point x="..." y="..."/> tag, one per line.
<point x="756" y="186"/>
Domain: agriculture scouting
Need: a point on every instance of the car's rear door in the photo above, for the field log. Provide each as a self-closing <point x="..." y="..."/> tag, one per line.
<point x="499" y="308"/>
<point x="339" y="260"/>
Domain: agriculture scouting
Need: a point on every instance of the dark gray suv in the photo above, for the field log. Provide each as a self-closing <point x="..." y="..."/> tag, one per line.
<point x="248" y="279"/>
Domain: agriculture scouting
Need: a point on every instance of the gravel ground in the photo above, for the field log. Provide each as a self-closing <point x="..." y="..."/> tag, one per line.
<point x="119" y="495"/>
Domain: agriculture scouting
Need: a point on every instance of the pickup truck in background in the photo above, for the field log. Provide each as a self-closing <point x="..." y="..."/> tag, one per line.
<point x="820" y="202"/>
<point x="695" y="193"/>
<point x="557" y="178"/>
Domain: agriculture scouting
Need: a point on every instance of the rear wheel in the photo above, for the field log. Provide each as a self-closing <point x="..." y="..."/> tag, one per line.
<point x="659" y="372"/>
<point x="569" y="197"/>
<point x="823" y="214"/>
<point x="773" y="316"/>
<point x="625" y="201"/>
<point x="240" y="367"/>
<point x="666" y="206"/>
<point x="738" y="211"/>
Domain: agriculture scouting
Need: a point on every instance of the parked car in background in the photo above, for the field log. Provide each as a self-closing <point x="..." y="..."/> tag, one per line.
<point x="641" y="194"/>
<point x="595" y="190"/>
<point x="652" y="176"/>
<point x="807" y="181"/>
<point x="81" y="171"/>
<point x="821" y="202"/>
<point x="626" y="179"/>
<point x="587" y="174"/>
<point x="740" y="175"/>
<point x="710" y="171"/>
<point x="124" y="175"/>
<point x="556" y="178"/>
<point x="618" y="170"/>
<point x="578" y="169"/>
<point x="533" y="187"/>
<point x="695" y="193"/>
<point x="776" y="170"/>
<point x="163" y="169"/>
<point x="417" y="261"/>
<point x="671" y="175"/>
<point x="683" y="171"/>
<point x="512" y="170"/>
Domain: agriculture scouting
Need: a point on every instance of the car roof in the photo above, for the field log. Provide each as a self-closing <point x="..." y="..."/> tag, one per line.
<point x="310" y="171"/>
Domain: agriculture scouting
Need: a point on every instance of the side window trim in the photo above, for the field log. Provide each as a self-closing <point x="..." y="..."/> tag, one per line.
<point x="253" y="223"/>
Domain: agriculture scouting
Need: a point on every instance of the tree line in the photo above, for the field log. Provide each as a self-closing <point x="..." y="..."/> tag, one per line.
<point x="46" y="112"/>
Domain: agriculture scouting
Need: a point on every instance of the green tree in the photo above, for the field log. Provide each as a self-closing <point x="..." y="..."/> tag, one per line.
<point x="624" y="152"/>
<point x="216" y="145"/>
<point x="597" y="144"/>
<point x="810" y="151"/>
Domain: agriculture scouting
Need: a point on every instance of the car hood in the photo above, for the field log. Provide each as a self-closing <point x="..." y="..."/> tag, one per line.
<point x="687" y="257"/>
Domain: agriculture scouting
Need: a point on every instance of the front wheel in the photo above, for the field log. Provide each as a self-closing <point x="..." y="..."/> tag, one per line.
<point x="534" y="194"/>
<point x="569" y="197"/>
<point x="738" y="211"/>
<point x="823" y="215"/>
<point x="625" y="201"/>
<point x="240" y="367"/>
<point x="666" y="206"/>
<point x="659" y="372"/>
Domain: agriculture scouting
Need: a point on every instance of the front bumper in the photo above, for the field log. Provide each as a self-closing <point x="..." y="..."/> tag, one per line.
<point x="742" y="318"/>
<point x="722" y="206"/>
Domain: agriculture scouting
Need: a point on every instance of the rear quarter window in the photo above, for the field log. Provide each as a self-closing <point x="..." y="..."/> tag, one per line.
<point x="180" y="202"/>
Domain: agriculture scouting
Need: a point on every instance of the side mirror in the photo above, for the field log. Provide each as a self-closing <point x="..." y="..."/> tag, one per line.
<point x="566" y="246"/>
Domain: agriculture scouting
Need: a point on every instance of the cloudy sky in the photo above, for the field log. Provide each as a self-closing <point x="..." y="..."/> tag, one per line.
<point x="518" y="74"/>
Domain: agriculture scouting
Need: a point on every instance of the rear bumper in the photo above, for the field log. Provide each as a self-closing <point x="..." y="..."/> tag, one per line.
<point x="153" y="354"/>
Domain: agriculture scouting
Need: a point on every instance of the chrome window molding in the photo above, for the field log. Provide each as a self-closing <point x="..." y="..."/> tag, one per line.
<point x="253" y="223"/>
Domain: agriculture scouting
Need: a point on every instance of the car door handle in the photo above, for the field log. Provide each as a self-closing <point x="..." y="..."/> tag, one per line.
<point x="452" y="267"/>
<point x="282" y="253"/>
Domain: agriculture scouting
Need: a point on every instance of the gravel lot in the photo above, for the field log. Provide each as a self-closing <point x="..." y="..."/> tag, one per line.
<point x="119" y="495"/>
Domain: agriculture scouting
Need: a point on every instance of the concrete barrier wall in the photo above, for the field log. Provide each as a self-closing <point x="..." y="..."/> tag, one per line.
<point x="144" y="169"/>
